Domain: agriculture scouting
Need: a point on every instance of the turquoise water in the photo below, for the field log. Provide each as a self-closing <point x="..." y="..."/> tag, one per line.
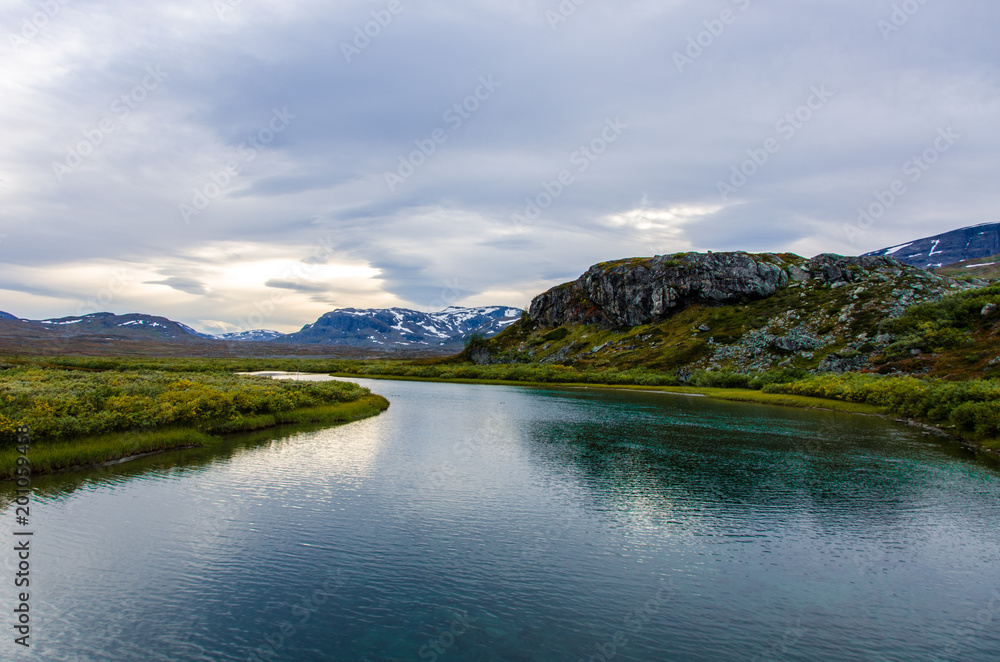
<point x="500" y="523"/>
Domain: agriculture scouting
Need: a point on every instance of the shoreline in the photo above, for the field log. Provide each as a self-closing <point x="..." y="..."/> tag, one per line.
<point x="726" y="394"/>
<point x="117" y="447"/>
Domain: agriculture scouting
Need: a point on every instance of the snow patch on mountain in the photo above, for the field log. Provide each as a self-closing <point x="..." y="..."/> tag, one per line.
<point x="402" y="327"/>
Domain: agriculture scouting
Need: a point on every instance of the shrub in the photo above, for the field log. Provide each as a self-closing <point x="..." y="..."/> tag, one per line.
<point x="557" y="334"/>
<point x="60" y="404"/>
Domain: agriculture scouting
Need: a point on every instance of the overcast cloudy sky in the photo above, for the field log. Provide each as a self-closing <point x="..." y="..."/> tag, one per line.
<point x="234" y="163"/>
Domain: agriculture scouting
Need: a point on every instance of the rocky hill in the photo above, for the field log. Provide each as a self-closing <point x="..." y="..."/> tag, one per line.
<point x="977" y="241"/>
<point x="738" y="311"/>
<point x="403" y="328"/>
<point x="132" y="325"/>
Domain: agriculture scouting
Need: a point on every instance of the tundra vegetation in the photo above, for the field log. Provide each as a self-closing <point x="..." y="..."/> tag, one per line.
<point x="79" y="415"/>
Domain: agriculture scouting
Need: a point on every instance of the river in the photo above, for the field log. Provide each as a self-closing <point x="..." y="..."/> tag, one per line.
<point x="525" y="524"/>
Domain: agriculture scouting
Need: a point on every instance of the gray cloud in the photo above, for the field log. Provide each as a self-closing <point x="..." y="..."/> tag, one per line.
<point x="181" y="284"/>
<point x="297" y="286"/>
<point x="321" y="180"/>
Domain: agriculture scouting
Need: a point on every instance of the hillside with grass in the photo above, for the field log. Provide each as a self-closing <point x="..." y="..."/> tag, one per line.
<point x="985" y="268"/>
<point x="753" y="313"/>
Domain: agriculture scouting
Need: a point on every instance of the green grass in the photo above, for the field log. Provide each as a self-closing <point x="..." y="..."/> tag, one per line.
<point x="969" y="409"/>
<point x="50" y="456"/>
<point x="94" y="414"/>
<point x="58" y="403"/>
<point x="987" y="268"/>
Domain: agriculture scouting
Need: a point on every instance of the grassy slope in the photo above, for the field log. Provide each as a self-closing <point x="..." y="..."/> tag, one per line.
<point x="848" y="319"/>
<point x="983" y="267"/>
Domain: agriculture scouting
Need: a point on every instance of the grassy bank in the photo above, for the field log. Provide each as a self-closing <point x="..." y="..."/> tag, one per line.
<point x="80" y="417"/>
<point x="968" y="409"/>
<point x="49" y="456"/>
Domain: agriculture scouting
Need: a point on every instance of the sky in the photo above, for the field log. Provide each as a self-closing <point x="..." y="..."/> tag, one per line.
<point x="237" y="164"/>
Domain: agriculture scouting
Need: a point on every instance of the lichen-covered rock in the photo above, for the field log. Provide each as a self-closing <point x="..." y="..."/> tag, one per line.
<point x="797" y="341"/>
<point x="480" y="356"/>
<point x="631" y="293"/>
<point x="639" y="291"/>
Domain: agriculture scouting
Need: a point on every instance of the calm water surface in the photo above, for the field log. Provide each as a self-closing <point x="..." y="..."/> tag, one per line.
<point x="500" y="523"/>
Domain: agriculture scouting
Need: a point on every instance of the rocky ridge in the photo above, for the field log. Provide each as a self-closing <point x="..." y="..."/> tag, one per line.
<point x="738" y="311"/>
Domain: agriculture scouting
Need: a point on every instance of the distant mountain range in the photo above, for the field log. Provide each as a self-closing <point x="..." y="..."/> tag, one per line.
<point x="132" y="325"/>
<point x="391" y="329"/>
<point x="974" y="242"/>
<point x="400" y="327"/>
<point x="257" y="335"/>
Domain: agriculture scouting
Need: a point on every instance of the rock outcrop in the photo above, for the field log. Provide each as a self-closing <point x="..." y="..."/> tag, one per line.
<point x="628" y="293"/>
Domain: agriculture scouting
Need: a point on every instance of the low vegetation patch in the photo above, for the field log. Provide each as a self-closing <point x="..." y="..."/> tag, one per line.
<point x="970" y="408"/>
<point x="86" y="417"/>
